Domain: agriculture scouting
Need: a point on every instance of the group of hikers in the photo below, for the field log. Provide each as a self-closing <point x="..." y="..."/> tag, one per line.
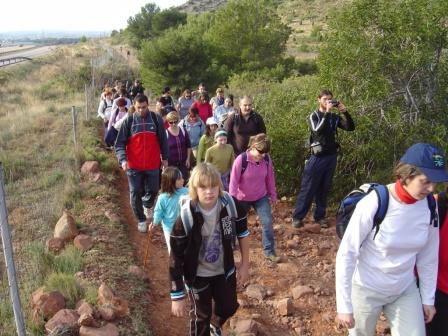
<point x="199" y="165"/>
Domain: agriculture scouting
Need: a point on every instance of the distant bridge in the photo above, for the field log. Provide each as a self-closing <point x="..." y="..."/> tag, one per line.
<point x="13" y="60"/>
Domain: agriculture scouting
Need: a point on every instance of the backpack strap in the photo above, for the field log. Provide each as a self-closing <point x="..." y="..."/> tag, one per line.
<point x="442" y="207"/>
<point x="244" y="161"/>
<point x="382" y="194"/>
<point x="432" y="205"/>
<point x="229" y="203"/>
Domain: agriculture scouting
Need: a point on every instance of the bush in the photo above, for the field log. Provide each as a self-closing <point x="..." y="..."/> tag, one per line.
<point x="67" y="285"/>
<point x="68" y="261"/>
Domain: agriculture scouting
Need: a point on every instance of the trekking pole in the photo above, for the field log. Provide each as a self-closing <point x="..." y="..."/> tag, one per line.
<point x="145" y="258"/>
<point x="9" y="260"/>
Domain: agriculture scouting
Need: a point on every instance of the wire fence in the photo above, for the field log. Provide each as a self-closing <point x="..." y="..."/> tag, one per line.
<point x="27" y="245"/>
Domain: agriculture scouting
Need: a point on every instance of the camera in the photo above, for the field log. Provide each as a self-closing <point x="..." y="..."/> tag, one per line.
<point x="334" y="102"/>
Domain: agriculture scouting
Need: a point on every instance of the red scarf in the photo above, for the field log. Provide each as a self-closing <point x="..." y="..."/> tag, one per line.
<point x="403" y="195"/>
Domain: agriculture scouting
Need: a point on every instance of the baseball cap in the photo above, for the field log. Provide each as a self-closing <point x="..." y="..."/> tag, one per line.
<point x="211" y="121"/>
<point x="429" y="159"/>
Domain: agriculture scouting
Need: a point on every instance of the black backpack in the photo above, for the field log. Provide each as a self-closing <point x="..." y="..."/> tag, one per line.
<point x="442" y="207"/>
<point x="348" y="205"/>
<point x="244" y="161"/>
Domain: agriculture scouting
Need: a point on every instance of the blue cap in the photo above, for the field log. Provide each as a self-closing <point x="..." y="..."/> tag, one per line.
<point x="429" y="159"/>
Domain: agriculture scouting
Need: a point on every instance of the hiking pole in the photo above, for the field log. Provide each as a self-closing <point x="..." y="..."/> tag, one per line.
<point x="9" y="259"/>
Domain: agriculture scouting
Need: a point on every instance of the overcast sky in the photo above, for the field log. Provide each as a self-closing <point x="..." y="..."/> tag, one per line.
<point x="85" y="15"/>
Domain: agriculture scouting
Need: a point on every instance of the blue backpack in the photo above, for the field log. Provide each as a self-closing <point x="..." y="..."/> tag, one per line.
<point x="348" y="205"/>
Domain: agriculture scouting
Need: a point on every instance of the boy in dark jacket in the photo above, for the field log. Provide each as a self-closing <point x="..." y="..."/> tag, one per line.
<point x="201" y="259"/>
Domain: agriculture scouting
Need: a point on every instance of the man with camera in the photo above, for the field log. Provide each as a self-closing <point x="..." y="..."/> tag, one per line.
<point x="320" y="167"/>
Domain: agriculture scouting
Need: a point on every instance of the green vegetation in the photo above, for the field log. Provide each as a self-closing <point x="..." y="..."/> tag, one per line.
<point x="67" y="285"/>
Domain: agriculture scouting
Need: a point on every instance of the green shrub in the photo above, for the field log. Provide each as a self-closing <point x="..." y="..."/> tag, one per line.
<point x="67" y="285"/>
<point x="68" y="261"/>
<point x="40" y="260"/>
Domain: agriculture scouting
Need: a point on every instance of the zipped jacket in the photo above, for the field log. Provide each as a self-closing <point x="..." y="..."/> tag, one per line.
<point x="185" y="246"/>
<point x="323" y="127"/>
<point x="141" y="142"/>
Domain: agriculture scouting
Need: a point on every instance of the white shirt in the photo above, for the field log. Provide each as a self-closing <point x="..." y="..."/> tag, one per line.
<point x="386" y="265"/>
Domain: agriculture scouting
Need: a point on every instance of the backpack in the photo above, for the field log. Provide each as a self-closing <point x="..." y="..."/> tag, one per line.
<point x="187" y="217"/>
<point x="348" y="205"/>
<point x="131" y="121"/>
<point x="244" y="162"/>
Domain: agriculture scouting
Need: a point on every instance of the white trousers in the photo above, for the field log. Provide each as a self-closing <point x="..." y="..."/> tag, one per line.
<point x="404" y="312"/>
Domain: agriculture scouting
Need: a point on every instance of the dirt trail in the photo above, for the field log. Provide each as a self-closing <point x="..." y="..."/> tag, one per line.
<point x="159" y="314"/>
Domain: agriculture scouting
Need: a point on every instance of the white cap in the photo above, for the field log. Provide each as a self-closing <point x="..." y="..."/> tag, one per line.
<point x="211" y="121"/>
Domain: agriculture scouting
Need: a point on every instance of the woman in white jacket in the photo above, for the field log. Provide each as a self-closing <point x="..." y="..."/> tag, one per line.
<point x="376" y="274"/>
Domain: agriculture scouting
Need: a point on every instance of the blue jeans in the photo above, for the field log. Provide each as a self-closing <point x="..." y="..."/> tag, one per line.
<point x="263" y="209"/>
<point x="316" y="184"/>
<point x="143" y="189"/>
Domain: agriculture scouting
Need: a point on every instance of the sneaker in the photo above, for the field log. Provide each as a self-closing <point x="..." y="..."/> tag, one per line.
<point x="142" y="227"/>
<point x="297" y="223"/>
<point x="149" y="212"/>
<point x="273" y="258"/>
<point x="323" y="223"/>
<point x="215" y="331"/>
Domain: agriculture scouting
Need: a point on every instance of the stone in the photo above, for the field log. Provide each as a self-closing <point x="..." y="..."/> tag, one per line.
<point x="285" y="307"/>
<point x="87" y="320"/>
<point x="55" y="244"/>
<point x="83" y="242"/>
<point x="138" y="272"/>
<point x="120" y="307"/>
<point x="105" y="294"/>
<point x="65" y="228"/>
<point x="292" y="244"/>
<point x="62" y="320"/>
<point x="313" y="228"/>
<point x="47" y="304"/>
<point x="108" y="330"/>
<point x="283" y="283"/>
<point x="106" y="312"/>
<point x="86" y="312"/>
<point x="90" y="167"/>
<point x="255" y="291"/>
<point x="246" y="326"/>
<point x="300" y="291"/>
<point x="243" y="303"/>
<point x="113" y="217"/>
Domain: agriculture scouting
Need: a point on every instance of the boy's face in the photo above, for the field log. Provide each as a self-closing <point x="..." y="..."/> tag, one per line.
<point x="221" y="140"/>
<point x="208" y="196"/>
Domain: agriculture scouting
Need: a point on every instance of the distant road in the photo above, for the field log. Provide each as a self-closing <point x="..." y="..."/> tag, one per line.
<point x="31" y="53"/>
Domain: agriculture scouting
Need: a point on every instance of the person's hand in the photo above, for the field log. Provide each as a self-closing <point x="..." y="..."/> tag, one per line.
<point x="428" y="312"/>
<point x="242" y="274"/>
<point x="273" y="204"/>
<point x="124" y="165"/>
<point x="151" y="226"/>
<point x="328" y="107"/>
<point x="187" y="163"/>
<point x="345" y="320"/>
<point x="341" y="107"/>
<point x="178" y="308"/>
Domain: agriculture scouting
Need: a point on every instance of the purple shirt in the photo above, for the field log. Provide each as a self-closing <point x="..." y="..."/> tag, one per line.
<point x="177" y="146"/>
<point x="260" y="175"/>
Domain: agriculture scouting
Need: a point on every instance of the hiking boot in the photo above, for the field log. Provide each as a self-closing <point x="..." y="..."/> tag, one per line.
<point x="323" y="223"/>
<point x="297" y="223"/>
<point x="142" y="227"/>
<point x="215" y="331"/>
<point x="273" y="258"/>
<point x="149" y="212"/>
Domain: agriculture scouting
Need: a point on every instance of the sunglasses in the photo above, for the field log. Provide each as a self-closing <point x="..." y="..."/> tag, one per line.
<point x="173" y="122"/>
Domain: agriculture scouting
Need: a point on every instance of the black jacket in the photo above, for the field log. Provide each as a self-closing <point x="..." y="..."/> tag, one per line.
<point x="185" y="247"/>
<point x="324" y="127"/>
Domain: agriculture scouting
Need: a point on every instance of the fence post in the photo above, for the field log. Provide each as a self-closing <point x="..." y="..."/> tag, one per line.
<point x="74" y="115"/>
<point x="9" y="260"/>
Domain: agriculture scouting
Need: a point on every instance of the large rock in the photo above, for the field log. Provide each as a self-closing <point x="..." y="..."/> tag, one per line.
<point x="85" y="312"/>
<point x="109" y="302"/>
<point x="108" y="330"/>
<point x="105" y="294"/>
<point x="256" y="292"/>
<point x="138" y="272"/>
<point x="300" y="291"/>
<point x="248" y="326"/>
<point x="83" y="242"/>
<point x="120" y="307"/>
<point x="55" y="244"/>
<point x="106" y="312"/>
<point x="285" y="307"/>
<point x="65" y="319"/>
<point x="84" y="307"/>
<point x="90" y="168"/>
<point x="65" y="228"/>
<point x="313" y="228"/>
<point x="47" y="304"/>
